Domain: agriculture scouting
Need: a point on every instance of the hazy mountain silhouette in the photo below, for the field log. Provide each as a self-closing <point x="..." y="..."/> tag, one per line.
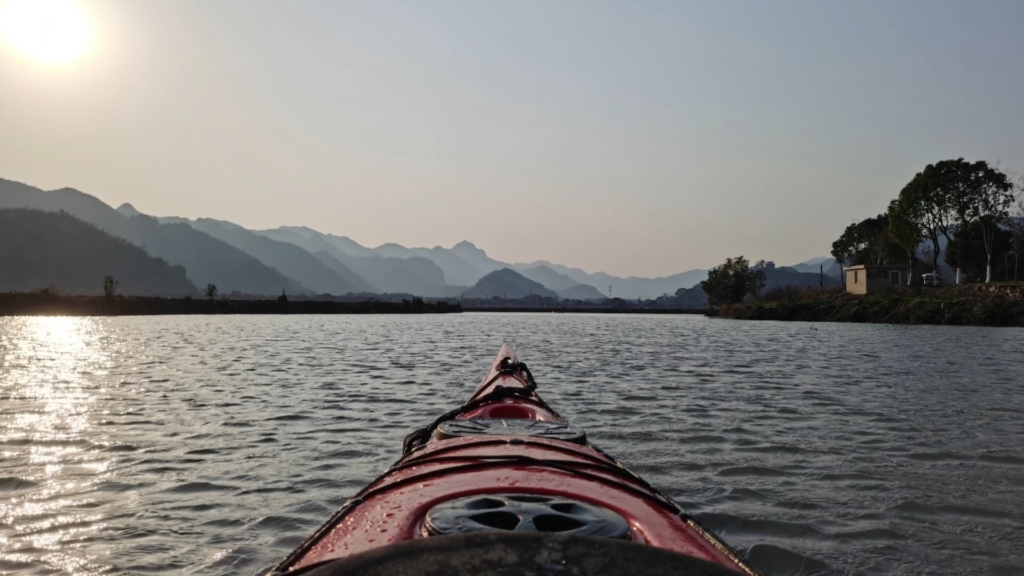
<point x="507" y="283"/>
<point x="632" y="287"/>
<point x="464" y="261"/>
<point x="299" y="259"/>
<point x="205" y="258"/>
<point x="581" y="292"/>
<point x="787" y="276"/>
<point x="552" y="280"/>
<point x="82" y="206"/>
<point x="285" y="257"/>
<point x="129" y="210"/>
<point x="457" y="271"/>
<point x="41" y="249"/>
<point x="812" y="266"/>
<point x="414" y="275"/>
<point x="477" y="257"/>
<point x="334" y="264"/>
<point x="343" y="245"/>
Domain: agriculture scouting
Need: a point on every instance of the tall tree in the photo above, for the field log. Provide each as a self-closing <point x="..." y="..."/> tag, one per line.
<point x="974" y="253"/>
<point x="992" y="195"/>
<point x="951" y="195"/>
<point x="109" y="286"/>
<point x="906" y="231"/>
<point x="867" y="242"/>
<point x="925" y="202"/>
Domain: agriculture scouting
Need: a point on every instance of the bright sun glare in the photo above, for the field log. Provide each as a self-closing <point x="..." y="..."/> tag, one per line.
<point x="48" y="32"/>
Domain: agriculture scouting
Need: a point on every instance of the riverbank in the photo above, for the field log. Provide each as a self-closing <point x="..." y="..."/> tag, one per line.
<point x="41" y="304"/>
<point x="590" y="310"/>
<point x="997" y="304"/>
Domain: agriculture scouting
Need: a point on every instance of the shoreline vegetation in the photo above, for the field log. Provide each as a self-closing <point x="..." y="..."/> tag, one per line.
<point x="993" y="304"/>
<point x="48" y="303"/>
<point x="44" y="304"/>
<point x="587" y="310"/>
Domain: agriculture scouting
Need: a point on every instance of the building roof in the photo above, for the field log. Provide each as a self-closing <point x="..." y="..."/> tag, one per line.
<point x="876" y="266"/>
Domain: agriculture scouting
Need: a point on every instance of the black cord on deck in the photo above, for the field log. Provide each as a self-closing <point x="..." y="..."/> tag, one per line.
<point x="508" y="368"/>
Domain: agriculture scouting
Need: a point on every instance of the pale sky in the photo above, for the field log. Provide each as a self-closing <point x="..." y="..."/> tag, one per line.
<point x="637" y="138"/>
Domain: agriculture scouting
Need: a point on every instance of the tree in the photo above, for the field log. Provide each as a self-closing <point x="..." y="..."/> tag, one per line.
<point x="925" y="203"/>
<point x="867" y="242"/>
<point x="948" y="196"/>
<point x="905" y="231"/>
<point x="1018" y="249"/>
<point x="693" y="297"/>
<point x="210" y="291"/>
<point x="732" y="282"/>
<point x="1016" y="225"/>
<point x="973" y="253"/>
<point x="109" y="287"/>
<point x="993" y="194"/>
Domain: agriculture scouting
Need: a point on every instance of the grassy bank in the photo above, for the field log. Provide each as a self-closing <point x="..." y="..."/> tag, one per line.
<point x="590" y="310"/>
<point x="39" y="304"/>
<point x="967" y="305"/>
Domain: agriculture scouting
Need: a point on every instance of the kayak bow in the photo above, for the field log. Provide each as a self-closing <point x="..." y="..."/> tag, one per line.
<point x="504" y="485"/>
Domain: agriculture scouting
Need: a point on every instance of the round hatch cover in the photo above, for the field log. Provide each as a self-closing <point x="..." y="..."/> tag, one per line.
<point x="509" y="427"/>
<point x="523" y="513"/>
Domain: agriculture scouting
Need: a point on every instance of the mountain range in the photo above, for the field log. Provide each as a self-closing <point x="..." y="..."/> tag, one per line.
<point x="300" y="260"/>
<point x="56" y="250"/>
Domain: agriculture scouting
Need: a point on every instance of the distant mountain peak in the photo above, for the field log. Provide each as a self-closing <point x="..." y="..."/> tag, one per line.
<point x="466" y="245"/>
<point x="305" y="231"/>
<point x="128" y="210"/>
<point x="507" y="283"/>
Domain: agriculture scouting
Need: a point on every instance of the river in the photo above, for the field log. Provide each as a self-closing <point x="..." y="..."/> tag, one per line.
<point x="213" y="445"/>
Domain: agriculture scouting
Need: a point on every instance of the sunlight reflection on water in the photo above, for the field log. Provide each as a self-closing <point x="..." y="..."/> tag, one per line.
<point x="48" y="366"/>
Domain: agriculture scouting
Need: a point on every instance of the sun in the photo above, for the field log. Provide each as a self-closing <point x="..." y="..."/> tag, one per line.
<point x="48" y="32"/>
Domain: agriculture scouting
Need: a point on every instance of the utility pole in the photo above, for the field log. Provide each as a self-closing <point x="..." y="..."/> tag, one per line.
<point x="609" y="292"/>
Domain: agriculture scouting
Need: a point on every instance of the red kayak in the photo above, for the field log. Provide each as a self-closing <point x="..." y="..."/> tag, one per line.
<point x="503" y="485"/>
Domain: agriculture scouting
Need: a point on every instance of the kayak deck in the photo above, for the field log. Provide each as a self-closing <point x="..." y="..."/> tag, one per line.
<point x="507" y="464"/>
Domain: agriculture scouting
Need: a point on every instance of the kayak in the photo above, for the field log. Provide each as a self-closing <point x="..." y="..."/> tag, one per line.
<point x="504" y="485"/>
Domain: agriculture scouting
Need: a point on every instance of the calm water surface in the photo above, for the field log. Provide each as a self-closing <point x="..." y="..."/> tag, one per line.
<point x="213" y="445"/>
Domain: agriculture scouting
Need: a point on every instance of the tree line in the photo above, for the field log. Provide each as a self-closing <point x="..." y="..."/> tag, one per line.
<point x="976" y="208"/>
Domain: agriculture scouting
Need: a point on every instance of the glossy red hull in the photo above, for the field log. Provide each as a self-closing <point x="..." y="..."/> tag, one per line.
<point x="434" y="470"/>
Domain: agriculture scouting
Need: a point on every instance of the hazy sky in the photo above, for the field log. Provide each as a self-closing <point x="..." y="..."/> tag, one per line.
<point x="638" y="138"/>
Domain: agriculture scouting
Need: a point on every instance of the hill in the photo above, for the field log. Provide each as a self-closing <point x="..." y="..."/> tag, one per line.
<point x="413" y="275"/>
<point x="785" y="276"/>
<point x="551" y="279"/>
<point x="581" y="292"/>
<point x="457" y="271"/>
<point x="206" y="259"/>
<point x="632" y="287"/>
<point x="812" y="266"/>
<point x="477" y="257"/>
<point x="285" y="257"/>
<point x="507" y="283"/>
<point x="41" y="249"/>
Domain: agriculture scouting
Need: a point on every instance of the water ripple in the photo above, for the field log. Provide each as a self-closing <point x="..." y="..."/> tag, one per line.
<point x="213" y="445"/>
